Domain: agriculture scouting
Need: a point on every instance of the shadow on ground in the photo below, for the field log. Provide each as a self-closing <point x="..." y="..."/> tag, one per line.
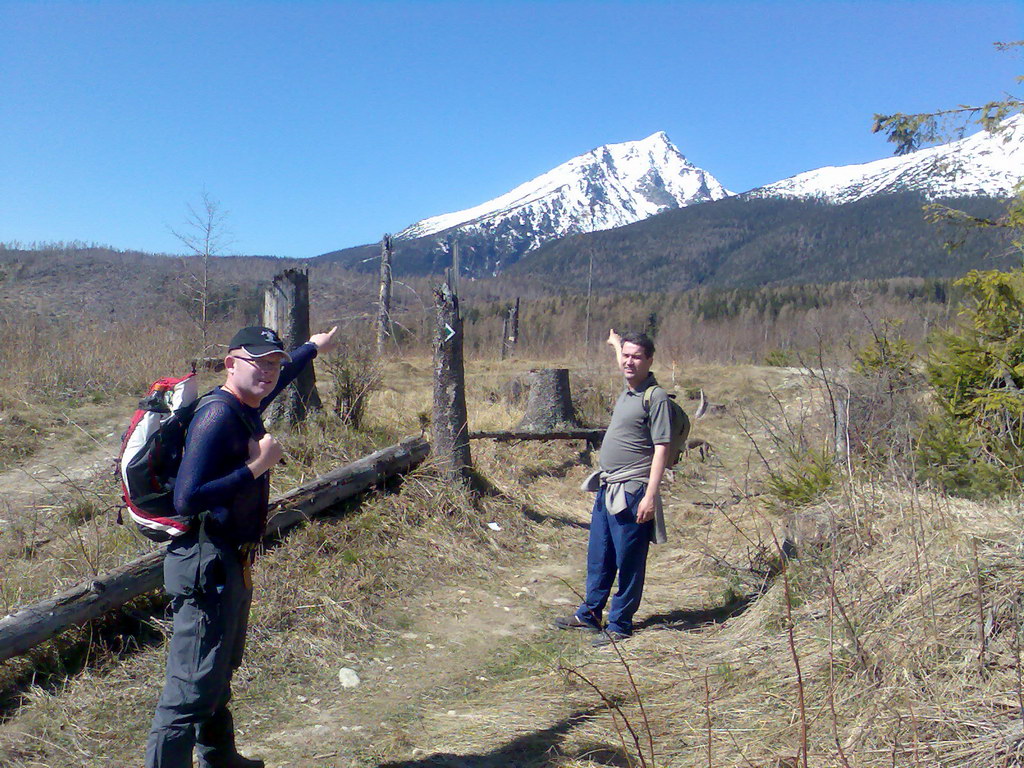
<point x="560" y="470"/>
<point x="484" y="486"/>
<point x="692" y="619"/>
<point x="531" y="750"/>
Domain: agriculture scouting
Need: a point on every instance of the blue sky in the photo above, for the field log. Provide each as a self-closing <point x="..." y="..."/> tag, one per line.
<point x="320" y="125"/>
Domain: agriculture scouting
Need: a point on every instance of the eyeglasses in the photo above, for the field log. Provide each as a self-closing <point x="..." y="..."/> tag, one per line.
<point x="266" y="366"/>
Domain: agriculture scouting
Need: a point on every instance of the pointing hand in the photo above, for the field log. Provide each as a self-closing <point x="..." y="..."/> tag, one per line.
<point x="325" y="342"/>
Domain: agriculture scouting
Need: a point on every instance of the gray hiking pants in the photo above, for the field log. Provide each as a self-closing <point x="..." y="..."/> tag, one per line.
<point x="210" y="601"/>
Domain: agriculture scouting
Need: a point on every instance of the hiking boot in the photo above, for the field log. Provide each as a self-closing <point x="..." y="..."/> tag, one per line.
<point x="575" y="622"/>
<point x="241" y="762"/>
<point x="608" y="638"/>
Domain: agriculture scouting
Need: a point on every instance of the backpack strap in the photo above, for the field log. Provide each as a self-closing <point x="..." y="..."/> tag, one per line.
<point x="219" y="396"/>
<point x="648" y="394"/>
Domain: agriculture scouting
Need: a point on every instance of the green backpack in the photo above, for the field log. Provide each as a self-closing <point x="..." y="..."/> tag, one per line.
<point x="678" y="421"/>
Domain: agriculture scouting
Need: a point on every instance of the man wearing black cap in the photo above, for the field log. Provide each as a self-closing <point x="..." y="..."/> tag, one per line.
<point x="224" y="482"/>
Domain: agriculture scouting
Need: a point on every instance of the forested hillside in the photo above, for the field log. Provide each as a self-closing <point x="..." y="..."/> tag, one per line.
<point x="728" y="243"/>
<point x="739" y="242"/>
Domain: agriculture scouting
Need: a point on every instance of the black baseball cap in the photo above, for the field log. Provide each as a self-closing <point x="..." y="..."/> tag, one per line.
<point x="258" y="341"/>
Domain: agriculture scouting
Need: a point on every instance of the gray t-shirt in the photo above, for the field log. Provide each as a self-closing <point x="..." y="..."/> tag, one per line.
<point x="633" y="431"/>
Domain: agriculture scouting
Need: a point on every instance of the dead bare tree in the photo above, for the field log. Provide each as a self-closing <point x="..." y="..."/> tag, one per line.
<point x="205" y="234"/>
<point x="510" y="329"/>
<point x="702" y="447"/>
<point x="513" y="325"/>
<point x="384" y="296"/>
<point x="702" y="407"/>
<point x="449" y="425"/>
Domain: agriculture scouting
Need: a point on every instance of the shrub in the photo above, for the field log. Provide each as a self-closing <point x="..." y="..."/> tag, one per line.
<point x="952" y="458"/>
<point x="355" y="372"/>
<point x="886" y="354"/>
<point x="885" y="405"/>
<point x="781" y="358"/>
<point x="805" y="476"/>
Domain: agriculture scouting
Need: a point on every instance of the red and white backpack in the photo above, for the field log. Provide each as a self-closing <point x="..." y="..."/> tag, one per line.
<point x="151" y="452"/>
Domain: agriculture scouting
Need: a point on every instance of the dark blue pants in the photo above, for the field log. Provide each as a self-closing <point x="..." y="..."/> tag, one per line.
<point x="211" y="602"/>
<point x="618" y="546"/>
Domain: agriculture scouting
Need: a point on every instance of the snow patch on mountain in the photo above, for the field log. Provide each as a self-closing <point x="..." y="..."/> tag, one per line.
<point x="983" y="163"/>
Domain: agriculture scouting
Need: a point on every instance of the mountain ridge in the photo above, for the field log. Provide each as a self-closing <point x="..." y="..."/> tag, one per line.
<point x="609" y="186"/>
<point x="987" y="164"/>
<point x="619" y="185"/>
<point x="647" y="176"/>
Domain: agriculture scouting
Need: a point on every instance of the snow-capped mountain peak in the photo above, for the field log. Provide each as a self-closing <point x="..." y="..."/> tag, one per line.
<point x="610" y="186"/>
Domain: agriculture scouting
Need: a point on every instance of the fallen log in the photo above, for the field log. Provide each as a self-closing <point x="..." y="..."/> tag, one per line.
<point x="343" y="483"/>
<point x="591" y="435"/>
<point x="34" y="624"/>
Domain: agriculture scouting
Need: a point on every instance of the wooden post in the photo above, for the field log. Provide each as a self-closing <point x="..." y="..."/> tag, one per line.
<point x="837" y="384"/>
<point x="510" y="330"/>
<point x="286" y="310"/>
<point x="504" y="336"/>
<point x="842" y="424"/>
<point x="549" y="407"/>
<point x="449" y="425"/>
<point x="513" y="323"/>
<point x="384" y="300"/>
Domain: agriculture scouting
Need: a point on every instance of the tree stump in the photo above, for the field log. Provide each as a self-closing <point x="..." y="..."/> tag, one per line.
<point x="286" y="310"/>
<point x="449" y="423"/>
<point x="549" y="407"/>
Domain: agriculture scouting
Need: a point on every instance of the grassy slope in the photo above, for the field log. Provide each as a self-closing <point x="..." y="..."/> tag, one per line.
<point x="445" y="620"/>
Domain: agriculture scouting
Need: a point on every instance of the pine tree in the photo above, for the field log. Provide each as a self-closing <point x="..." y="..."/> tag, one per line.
<point x="974" y="445"/>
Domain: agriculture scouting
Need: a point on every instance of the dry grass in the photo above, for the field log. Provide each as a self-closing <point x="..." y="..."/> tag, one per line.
<point x="892" y="669"/>
<point x="333" y="586"/>
<point x="901" y="609"/>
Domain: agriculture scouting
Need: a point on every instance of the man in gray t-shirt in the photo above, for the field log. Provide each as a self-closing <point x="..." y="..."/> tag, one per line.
<point x="633" y="457"/>
<point x="634" y="431"/>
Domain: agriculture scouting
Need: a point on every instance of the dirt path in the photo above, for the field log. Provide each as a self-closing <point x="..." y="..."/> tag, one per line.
<point x="78" y="451"/>
<point x="53" y="468"/>
<point x="439" y="691"/>
<point x="450" y="653"/>
<point x="473" y="679"/>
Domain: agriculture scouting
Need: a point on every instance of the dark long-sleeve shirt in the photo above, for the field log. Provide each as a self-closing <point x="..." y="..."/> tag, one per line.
<point x="213" y="476"/>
